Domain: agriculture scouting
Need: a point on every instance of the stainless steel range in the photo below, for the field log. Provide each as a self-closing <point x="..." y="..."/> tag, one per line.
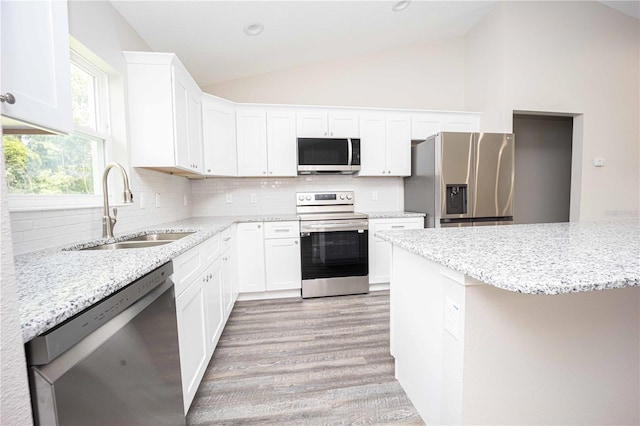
<point x="334" y="244"/>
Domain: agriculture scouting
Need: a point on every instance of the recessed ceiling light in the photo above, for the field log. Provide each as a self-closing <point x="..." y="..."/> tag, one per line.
<point x="253" y="29"/>
<point x="400" y="5"/>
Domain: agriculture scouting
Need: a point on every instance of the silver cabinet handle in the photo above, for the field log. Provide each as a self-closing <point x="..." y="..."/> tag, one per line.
<point x="8" y="98"/>
<point x="259" y="226"/>
<point x="296" y="241"/>
<point x="397" y="226"/>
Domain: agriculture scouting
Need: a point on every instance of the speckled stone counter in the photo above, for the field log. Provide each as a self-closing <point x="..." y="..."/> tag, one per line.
<point x="55" y="284"/>
<point x="394" y="215"/>
<point x="539" y="259"/>
<point x="548" y="351"/>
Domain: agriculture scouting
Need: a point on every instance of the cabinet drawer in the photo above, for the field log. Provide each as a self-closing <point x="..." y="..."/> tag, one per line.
<point x="186" y="268"/>
<point x="212" y="248"/>
<point x="226" y="239"/>
<point x="289" y="229"/>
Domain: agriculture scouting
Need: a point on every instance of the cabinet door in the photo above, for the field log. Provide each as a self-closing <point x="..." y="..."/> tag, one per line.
<point x="312" y="124"/>
<point x="373" y="147"/>
<point x="424" y="125"/>
<point x="281" y="143"/>
<point x="227" y="283"/>
<point x="35" y="63"/>
<point x="181" y="107"/>
<point x="190" y="315"/>
<point x="219" y="137"/>
<point x="398" y="145"/>
<point x="212" y="284"/>
<point x="250" y="260"/>
<point x="460" y="122"/>
<point x="282" y="264"/>
<point x="343" y="124"/>
<point x="252" y="142"/>
<point x="380" y="250"/>
<point x="195" y="131"/>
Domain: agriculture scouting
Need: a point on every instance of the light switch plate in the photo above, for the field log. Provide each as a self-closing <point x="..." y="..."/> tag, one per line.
<point x="157" y="200"/>
<point x="254" y="197"/>
<point x="229" y="198"/>
<point x="599" y="162"/>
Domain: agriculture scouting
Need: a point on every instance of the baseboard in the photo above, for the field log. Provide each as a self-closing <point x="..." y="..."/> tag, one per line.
<point x="265" y="295"/>
<point x="379" y="287"/>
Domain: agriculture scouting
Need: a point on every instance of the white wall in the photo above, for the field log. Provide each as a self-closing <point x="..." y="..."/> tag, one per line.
<point x="568" y="57"/>
<point x="424" y="76"/>
<point x="277" y="195"/>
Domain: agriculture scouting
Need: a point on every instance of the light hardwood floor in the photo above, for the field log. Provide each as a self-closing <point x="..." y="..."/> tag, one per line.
<point x="309" y="362"/>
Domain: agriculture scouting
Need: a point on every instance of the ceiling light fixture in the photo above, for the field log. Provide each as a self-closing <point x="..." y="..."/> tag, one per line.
<point x="253" y="29"/>
<point x="400" y="5"/>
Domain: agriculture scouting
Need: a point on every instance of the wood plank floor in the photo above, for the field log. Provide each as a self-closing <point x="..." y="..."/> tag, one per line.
<point x="307" y="362"/>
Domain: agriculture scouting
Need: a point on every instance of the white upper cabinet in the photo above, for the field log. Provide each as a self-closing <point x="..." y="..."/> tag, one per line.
<point x="385" y="144"/>
<point x="165" y="114"/>
<point x="281" y="143"/>
<point x="327" y="124"/>
<point x="35" y="72"/>
<point x="251" y="133"/>
<point x="219" y="136"/>
<point x="425" y="124"/>
<point x="373" y="144"/>
<point x="266" y="142"/>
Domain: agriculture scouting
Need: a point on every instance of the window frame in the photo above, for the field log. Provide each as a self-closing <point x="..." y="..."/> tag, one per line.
<point x="35" y="202"/>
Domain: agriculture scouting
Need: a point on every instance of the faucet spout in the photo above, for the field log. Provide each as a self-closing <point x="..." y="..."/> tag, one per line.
<point x="109" y="222"/>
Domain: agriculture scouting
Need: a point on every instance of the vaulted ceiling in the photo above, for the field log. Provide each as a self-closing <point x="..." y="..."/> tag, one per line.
<point x="208" y="36"/>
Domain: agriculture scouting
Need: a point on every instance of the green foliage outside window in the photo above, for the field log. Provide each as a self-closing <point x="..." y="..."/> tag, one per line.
<point x="48" y="164"/>
<point x="56" y="164"/>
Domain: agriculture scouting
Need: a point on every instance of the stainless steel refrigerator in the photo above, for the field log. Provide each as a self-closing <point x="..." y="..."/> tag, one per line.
<point x="462" y="179"/>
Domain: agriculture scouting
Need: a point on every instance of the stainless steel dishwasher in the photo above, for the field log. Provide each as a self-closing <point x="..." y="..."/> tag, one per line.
<point x="115" y="363"/>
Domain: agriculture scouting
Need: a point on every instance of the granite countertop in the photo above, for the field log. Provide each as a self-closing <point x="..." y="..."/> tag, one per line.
<point x="551" y="258"/>
<point x="55" y="284"/>
<point x="394" y="215"/>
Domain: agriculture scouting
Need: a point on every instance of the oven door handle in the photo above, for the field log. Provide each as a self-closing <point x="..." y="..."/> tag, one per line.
<point x="329" y="227"/>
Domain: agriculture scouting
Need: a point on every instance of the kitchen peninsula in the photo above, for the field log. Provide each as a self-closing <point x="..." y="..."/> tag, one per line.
<point x="523" y="324"/>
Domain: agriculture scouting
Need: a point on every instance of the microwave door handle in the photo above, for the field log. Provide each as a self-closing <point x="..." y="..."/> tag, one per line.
<point x="350" y="150"/>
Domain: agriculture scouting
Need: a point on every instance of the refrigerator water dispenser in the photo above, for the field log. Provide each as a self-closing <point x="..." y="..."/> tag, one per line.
<point x="456" y="200"/>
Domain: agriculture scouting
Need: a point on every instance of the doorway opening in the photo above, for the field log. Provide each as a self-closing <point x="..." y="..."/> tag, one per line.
<point x="543" y="162"/>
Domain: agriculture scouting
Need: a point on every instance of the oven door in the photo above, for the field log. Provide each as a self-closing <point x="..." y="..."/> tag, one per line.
<point x="335" y="259"/>
<point x="334" y="254"/>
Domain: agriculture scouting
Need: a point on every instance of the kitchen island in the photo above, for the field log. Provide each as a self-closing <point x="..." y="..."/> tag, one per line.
<point x="523" y="324"/>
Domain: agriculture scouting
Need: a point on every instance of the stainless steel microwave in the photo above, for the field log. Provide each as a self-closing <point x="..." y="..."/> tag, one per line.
<point x="328" y="155"/>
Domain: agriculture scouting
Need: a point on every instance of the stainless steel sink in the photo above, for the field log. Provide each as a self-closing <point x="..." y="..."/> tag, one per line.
<point x="128" y="245"/>
<point x="173" y="236"/>
<point x="142" y="241"/>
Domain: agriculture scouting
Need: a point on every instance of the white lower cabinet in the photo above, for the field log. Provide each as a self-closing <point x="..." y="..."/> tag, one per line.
<point x="250" y="243"/>
<point x="191" y="318"/>
<point x="282" y="256"/>
<point x="380" y="250"/>
<point x="204" y="299"/>
<point x="212" y="283"/>
<point x="268" y="256"/>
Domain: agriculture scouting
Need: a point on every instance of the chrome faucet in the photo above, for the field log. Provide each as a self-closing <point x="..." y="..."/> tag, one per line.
<point x="109" y="222"/>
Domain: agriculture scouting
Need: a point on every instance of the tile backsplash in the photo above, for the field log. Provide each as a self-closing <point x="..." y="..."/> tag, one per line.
<point x="277" y="195"/>
<point x="40" y="229"/>
<point x="160" y="198"/>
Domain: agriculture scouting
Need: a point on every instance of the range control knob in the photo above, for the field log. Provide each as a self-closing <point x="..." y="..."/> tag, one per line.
<point x="308" y="197"/>
<point x="301" y="197"/>
<point x="342" y="196"/>
<point x="349" y="196"/>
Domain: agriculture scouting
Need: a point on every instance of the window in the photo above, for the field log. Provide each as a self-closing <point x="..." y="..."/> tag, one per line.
<point x="42" y="163"/>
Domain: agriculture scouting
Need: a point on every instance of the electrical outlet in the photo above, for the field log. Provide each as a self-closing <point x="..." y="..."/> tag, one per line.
<point x="229" y="198"/>
<point x="186" y="201"/>
<point x="157" y="200"/>
<point x="599" y="162"/>
<point x="142" y="200"/>
<point x="374" y="195"/>
<point x="254" y="197"/>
